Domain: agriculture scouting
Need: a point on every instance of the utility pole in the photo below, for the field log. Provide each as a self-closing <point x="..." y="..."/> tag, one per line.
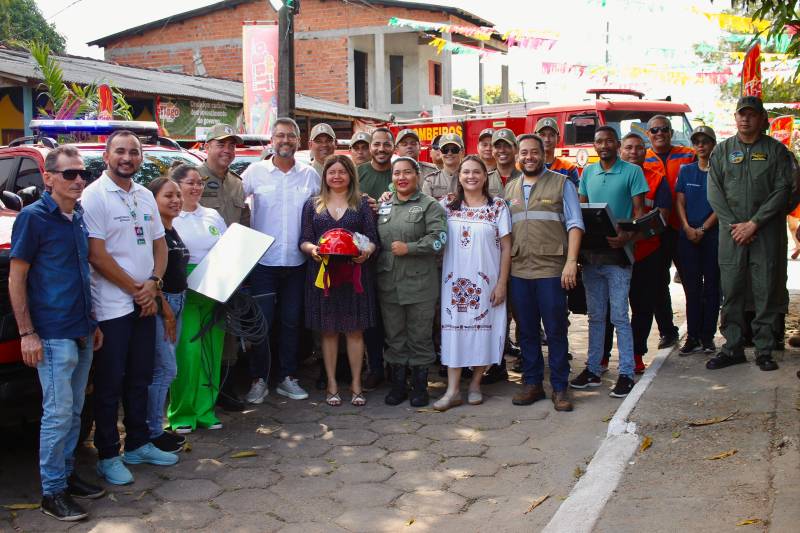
<point x="286" y="90"/>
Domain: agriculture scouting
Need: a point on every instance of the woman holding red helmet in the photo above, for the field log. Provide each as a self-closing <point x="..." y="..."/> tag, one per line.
<point x="339" y="233"/>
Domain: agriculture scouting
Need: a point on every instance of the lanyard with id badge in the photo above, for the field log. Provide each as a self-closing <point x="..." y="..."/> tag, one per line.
<point x="139" y="230"/>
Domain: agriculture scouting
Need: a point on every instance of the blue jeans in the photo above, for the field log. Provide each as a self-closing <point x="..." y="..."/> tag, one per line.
<point x="700" y="278"/>
<point x="609" y="284"/>
<point x="542" y="300"/>
<point x="63" y="373"/>
<point x="287" y="284"/>
<point x="164" y="367"/>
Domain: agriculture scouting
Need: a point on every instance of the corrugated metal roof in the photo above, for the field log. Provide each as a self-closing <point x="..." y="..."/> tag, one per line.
<point x="18" y="64"/>
<point x="82" y="70"/>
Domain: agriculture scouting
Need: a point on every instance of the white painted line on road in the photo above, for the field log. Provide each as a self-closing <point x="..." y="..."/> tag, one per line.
<point x="581" y="510"/>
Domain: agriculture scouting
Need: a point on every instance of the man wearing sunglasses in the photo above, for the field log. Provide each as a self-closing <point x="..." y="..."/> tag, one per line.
<point x="57" y="328"/>
<point x="666" y="159"/>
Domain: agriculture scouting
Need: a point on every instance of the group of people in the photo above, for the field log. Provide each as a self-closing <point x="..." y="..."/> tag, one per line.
<point x="446" y="253"/>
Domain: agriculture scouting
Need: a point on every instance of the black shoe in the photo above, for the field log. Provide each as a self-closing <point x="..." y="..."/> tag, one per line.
<point x="512" y="349"/>
<point x="623" y="386"/>
<point x="419" y="386"/>
<point x="78" y="488"/>
<point x="723" y="360"/>
<point x="180" y="439"/>
<point x="691" y="345"/>
<point x="766" y="363"/>
<point x="167" y="443"/>
<point x="709" y="348"/>
<point x="667" y="340"/>
<point x="399" y="392"/>
<point x="62" y="507"/>
<point x="230" y="403"/>
<point x="585" y="379"/>
<point x="495" y="373"/>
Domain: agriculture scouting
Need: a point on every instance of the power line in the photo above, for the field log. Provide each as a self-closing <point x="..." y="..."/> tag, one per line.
<point x="57" y="13"/>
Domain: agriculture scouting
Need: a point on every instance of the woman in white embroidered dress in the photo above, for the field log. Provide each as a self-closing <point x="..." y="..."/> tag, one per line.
<point x="477" y="261"/>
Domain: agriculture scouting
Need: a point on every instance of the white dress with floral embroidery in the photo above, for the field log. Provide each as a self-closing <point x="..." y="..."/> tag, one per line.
<point x="473" y="332"/>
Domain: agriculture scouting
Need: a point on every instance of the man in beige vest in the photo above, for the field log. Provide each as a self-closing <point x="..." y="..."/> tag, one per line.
<point x="546" y="232"/>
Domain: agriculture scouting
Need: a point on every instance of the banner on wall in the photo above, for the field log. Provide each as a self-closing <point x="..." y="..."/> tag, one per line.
<point x="190" y="119"/>
<point x="781" y="129"/>
<point x="260" y="76"/>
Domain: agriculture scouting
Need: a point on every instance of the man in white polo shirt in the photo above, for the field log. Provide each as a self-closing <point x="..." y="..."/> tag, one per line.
<point x="279" y="188"/>
<point x="128" y="255"/>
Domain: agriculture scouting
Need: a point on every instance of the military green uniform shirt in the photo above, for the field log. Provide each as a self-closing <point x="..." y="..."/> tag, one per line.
<point x="409" y="285"/>
<point x="226" y="195"/>
<point x="751" y="182"/>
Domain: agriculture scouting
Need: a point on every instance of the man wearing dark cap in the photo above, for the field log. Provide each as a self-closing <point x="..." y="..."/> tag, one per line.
<point x="504" y="152"/>
<point x="547" y="130"/>
<point x="322" y="143"/>
<point x="224" y="192"/>
<point x="407" y="144"/>
<point x="485" y="148"/>
<point x="359" y="148"/>
<point x="750" y="181"/>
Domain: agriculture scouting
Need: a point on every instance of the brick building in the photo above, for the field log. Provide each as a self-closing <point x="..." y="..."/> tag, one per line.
<point x="345" y="52"/>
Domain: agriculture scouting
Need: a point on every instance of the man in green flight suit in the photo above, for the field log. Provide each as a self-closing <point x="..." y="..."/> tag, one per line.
<point x="749" y="184"/>
<point x="224" y="192"/>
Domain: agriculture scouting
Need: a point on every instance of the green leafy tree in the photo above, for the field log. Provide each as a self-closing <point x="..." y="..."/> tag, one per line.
<point x="493" y="95"/>
<point x="781" y="13"/>
<point x="463" y="93"/>
<point x="21" y="20"/>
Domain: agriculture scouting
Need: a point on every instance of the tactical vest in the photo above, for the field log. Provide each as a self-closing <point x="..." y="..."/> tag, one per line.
<point x="538" y="233"/>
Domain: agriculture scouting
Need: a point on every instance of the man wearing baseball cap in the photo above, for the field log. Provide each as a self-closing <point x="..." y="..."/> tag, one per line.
<point x="504" y="152"/>
<point x="750" y="181"/>
<point x="322" y="143"/>
<point x="444" y="181"/>
<point x="224" y="192"/>
<point x="485" y="148"/>
<point x="407" y="144"/>
<point x="359" y="148"/>
<point x="547" y="130"/>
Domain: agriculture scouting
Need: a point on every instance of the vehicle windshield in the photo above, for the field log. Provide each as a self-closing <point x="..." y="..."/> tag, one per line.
<point x="241" y="163"/>
<point x="626" y="121"/>
<point x="156" y="163"/>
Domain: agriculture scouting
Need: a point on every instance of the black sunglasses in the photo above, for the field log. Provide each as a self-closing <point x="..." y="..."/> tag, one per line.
<point x="661" y="129"/>
<point x="451" y="150"/>
<point x="71" y="173"/>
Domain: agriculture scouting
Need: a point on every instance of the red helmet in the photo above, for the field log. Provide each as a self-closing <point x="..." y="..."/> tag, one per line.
<point x="338" y="242"/>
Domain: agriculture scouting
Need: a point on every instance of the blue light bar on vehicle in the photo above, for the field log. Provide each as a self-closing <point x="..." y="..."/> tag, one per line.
<point x="94" y="127"/>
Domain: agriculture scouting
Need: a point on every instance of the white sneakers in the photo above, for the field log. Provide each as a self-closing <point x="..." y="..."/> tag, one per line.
<point x="291" y="389"/>
<point x="288" y="387"/>
<point x="258" y="391"/>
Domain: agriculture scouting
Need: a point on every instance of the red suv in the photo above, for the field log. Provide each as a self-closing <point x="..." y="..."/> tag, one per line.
<point x="21" y="169"/>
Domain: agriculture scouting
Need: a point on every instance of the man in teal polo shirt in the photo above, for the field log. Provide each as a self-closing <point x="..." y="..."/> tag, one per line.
<point x="622" y="186"/>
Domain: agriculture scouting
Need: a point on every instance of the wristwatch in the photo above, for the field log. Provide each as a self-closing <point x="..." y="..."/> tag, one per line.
<point x="159" y="281"/>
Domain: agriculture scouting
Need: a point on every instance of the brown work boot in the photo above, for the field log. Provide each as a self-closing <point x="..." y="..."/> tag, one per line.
<point x="561" y="400"/>
<point x="528" y="395"/>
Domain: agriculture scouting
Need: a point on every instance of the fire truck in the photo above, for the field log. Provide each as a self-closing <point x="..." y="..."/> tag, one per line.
<point x="624" y="109"/>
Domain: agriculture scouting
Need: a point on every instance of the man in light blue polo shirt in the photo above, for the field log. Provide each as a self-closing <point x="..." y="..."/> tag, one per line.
<point x="622" y="186"/>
